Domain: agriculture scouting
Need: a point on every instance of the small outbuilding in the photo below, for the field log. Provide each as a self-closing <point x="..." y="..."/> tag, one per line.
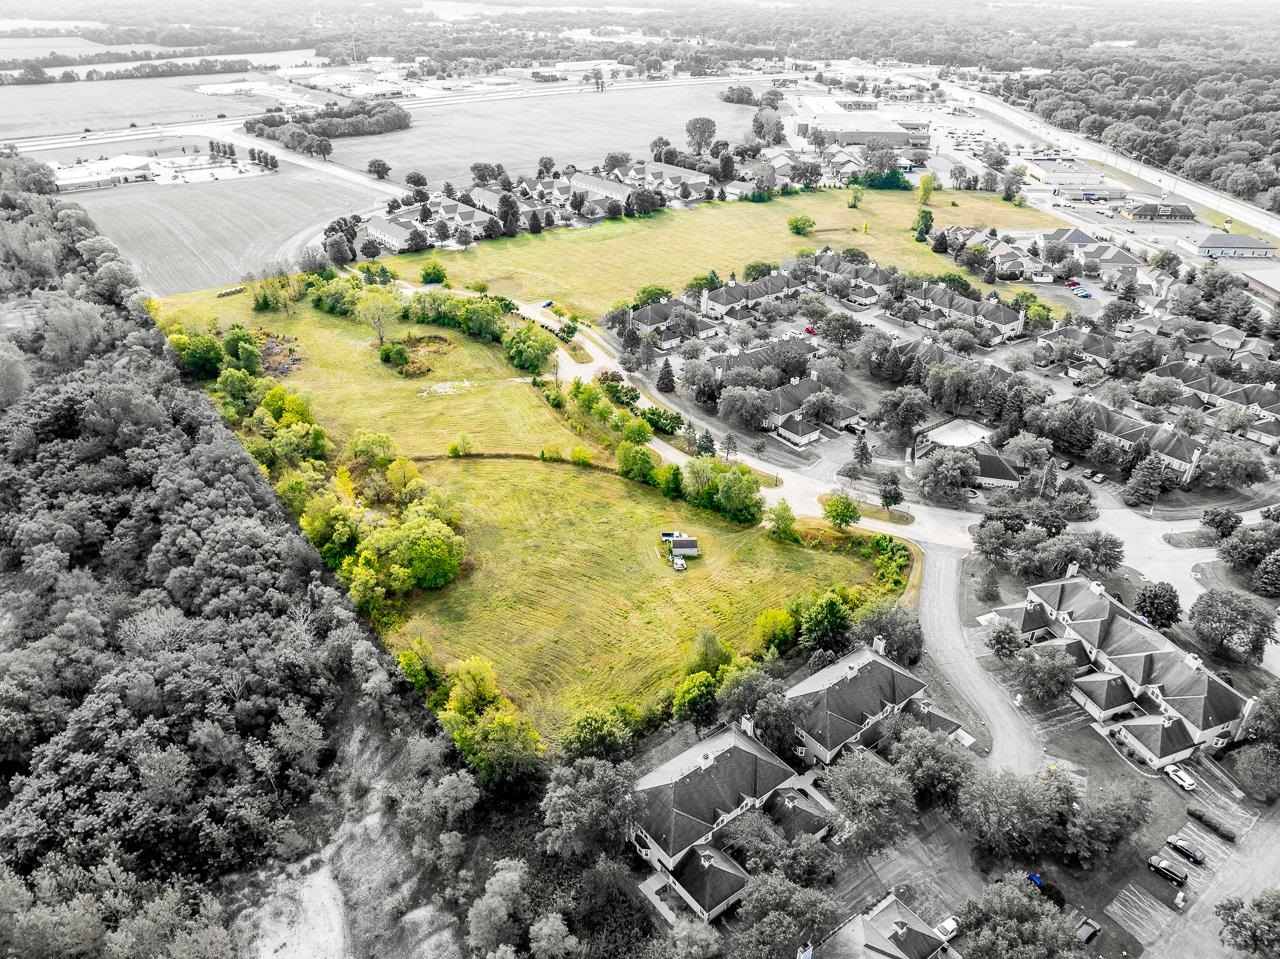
<point x="685" y="546"/>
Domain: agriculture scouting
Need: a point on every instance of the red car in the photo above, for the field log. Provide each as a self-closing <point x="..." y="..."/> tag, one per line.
<point x="1073" y="282"/>
<point x="810" y="330"/>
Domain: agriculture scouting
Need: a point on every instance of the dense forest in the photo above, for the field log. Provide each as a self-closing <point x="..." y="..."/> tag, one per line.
<point x="171" y="657"/>
<point x="1184" y="109"/>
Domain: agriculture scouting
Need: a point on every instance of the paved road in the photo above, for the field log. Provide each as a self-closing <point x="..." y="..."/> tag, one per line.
<point x="1014" y="744"/>
<point x="1090" y="150"/>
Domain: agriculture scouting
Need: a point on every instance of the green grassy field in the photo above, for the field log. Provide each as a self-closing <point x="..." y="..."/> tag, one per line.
<point x="587" y="270"/>
<point x="569" y="594"/>
<point x="471" y="388"/>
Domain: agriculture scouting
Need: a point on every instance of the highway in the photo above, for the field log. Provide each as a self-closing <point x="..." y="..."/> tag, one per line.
<point x="1087" y="149"/>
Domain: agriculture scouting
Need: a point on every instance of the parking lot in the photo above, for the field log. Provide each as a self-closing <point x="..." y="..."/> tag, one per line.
<point x="1146" y="905"/>
<point x="933" y="868"/>
<point x="1049" y="720"/>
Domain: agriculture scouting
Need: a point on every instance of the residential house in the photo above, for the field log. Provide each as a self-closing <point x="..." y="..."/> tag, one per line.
<point x="844" y="704"/>
<point x="1087" y="347"/>
<point x="688" y="798"/>
<point x="758" y="358"/>
<point x="457" y="214"/>
<point x="1179" y="452"/>
<point x="599" y="189"/>
<point x="890" y="930"/>
<point x="1234" y="246"/>
<point x="737" y="189"/>
<point x="709" y="881"/>
<point x="1154" y="698"/>
<point x="392" y="233"/>
<point x="665" y="177"/>
<point x="787" y="403"/>
<point x="994" y="470"/>
<point x="486" y="199"/>
<point x="1263" y="401"/>
<point x="1002" y="322"/>
<point x="555" y="191"/>
<point x="777" y="285"/>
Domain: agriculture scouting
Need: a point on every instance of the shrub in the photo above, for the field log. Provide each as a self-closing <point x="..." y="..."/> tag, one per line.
<point x="462" y="446"/>
<point x="393" y="354"/>
<point x="580" y="456"/>
<point x="551" y="453"/>
<point x="434" y="272"/>
<point x="1213" y="822"/>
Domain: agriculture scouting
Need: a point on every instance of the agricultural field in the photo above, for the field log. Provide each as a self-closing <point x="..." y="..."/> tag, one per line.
<point x="471" y="388"/>
<point x="190" y="236"/>
<point x="49" y="108"/>
<point x="446" y="139"/>
<point x="587" y="270"/>
<point x="570" y="597"/>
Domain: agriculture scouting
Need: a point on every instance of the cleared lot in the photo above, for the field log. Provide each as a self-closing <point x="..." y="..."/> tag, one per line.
<point x="204" y="234"/>
<point x="48" y="108"/>
<point x="575" y="128"/>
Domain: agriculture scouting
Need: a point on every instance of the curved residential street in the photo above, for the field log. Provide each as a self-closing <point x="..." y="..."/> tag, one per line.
<point x="954" y="649"/>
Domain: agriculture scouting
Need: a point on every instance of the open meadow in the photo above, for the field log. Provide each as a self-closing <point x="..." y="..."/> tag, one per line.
<point x="189" y="236"/>
<point x="587" y="270"/>
<point x="571" y="598"/>
<point x="566" y="590"/>
<point x="579" y="128"/>
<point x="471" y="388"/>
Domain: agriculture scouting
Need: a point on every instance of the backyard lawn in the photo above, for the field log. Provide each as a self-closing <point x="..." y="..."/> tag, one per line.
<point x="589" y="269"/>
<point x="471" y="388"/>
<point x="571" y="598"/>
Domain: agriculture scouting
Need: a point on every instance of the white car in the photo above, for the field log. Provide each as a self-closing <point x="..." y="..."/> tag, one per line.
<point x="678" y="564"/>
<point x="948" y="929"/>
<point x="1176" y="773"/>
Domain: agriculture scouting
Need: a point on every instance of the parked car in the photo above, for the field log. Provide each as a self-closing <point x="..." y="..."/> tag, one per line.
<point x="1088" y="930"/>
<point x="1168" y="869"/>
<point x="678" y="564"/>
<point x="1064" y="464"/>
<point x="1088" y="474"/>
<point x="1099" y="478"/>
<point x="948" y="929"/>
<point x="668" y="537"/>
<point x="1187" y="848"/>
<point x="1084" y="294"/>
<point x="1071" y="283"/>
<point x="810" y="330"/>
<point x="1179" y="776"/>
<point x="548" y="304"/>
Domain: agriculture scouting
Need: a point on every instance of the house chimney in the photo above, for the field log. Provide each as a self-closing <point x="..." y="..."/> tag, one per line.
<point x="706" y="762"/>
<point x="773" y="272"/>
<point x="805" y="951"/>
<point x="877" y="645"/>
<point x="795" y="380"/>
<point x="1194" y="661"/>
<point x="748" y="725"/>
<point x="703" y="301"/>
<point x="1073" y="570"/>
<point x="733" y="282"/>
<point x="1167" y="720"/>
<point x="813" y="375"/>
<point x="1095" y="587"/>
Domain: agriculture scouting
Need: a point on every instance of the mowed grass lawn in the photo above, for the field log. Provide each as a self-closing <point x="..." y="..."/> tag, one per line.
<point x="471" y="388"/>
<point x="589" y="269"/>
<point x="571" y="598"/>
